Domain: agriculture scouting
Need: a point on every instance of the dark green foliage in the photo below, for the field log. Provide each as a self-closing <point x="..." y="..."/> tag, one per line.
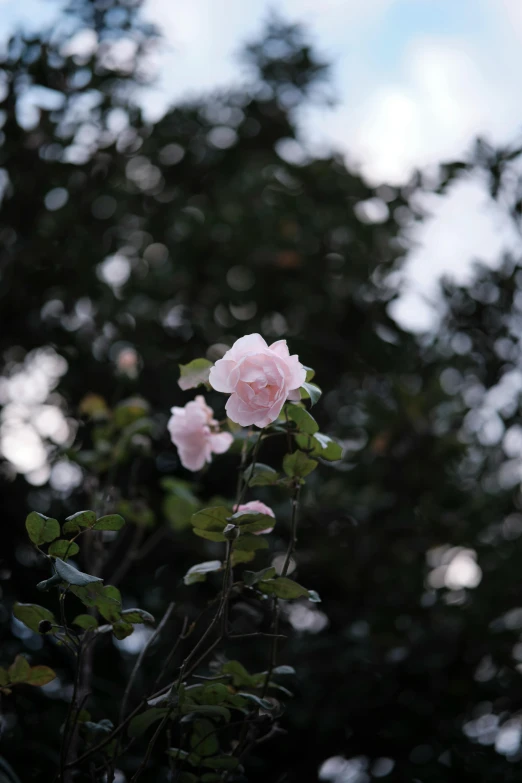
<point x="216" y="241"/>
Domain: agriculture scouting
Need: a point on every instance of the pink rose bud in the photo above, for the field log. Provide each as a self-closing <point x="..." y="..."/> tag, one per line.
<point x="195" y="433"/>
<point x="259" y="379"/>
<point x="256" y="505"/>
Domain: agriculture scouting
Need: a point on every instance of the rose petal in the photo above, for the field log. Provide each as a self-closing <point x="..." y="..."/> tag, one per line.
<point x="240" y="412"/>
<point x="297" y="373"/>
<point x="221" y="376"/>
<point x="220" y="442"/>
<point x="255" y="505"/>
<point x="251" y="343"/>
<point x="294" y="395"/>
<point x="280" y="348"/>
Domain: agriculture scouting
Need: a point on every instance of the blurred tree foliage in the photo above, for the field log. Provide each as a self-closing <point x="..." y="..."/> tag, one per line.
<point x="120" y="238"/>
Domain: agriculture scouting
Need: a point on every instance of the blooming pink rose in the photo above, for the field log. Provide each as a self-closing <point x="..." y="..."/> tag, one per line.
<point x="195" y="432"/>
<point x="259" y="379"/>
<point x="256" y="505"/>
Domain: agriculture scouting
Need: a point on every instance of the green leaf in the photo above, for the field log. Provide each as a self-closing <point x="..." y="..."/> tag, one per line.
<point x="252" y="521"/>
<point x="275" y="686"/>
<point x="330" y="449"/>
<point x="31" y="615"/>
<point x="305" y="422"/>
<point x="78" y="520"/>
<point x="253" y="577"/>
<point x="88" y="594"/>
<point x="137" y="616"/>
<point x="72" y="576"/>
<point x="121" y="629"/>
<point x="203" y="740"/>
<point x="211" y="520"/>
<point x="298" y="464"/>
<point x="19" y="670"/>
<point x="104" y="726"/>
<point x="51" y="530"/>
<point x="282" y="587"/>
<point x="245" y="547"/>
<point x="210" y="535"/>
<point x="263" y="703"/>
<point x="63" y="548"/>
<point x="313" y="595"/>
<point x="177" y="753"/>
<point x="46" y="584"/>
<point x="206" y="709"/>
<point x="108" y="603"/>
<point x="41" y="529"/>
<point x="215" y="693"/>
<point x="140" y="723"/>
<point x="109" y="591"/>
<point x="220" y="762"/>
<point x="320" y="445"/>
<point x="4" y="679"/>
<point x="309" y="372"/>
<point x="85" y="621"/>
<point x="109" y="522"/>
<point x="214" y="518"/>
<point x="137" y="512"/>
<point x="241" y="556"/>
<point x="178" y="511"/>
<point x="283" y="670"/>
<point x="240" y="676"/>
<point x="247" y="542"/>
<point x="198" y="573"/>
<point x="194" y="374"/>
<point x="40" y="675"/>
<point x="129" y="411"/>
<point x="260" y="476"/>
<point x="310" y="391"/>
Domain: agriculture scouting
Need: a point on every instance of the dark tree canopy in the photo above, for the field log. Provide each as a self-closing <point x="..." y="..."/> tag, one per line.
<point x="172" y="240"/>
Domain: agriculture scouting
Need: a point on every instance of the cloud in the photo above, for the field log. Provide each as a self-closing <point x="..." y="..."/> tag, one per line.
<point x="513" y="11"/>
<point x="464" y="226"/>
<point x="202" y="38"/>
<point x="441" y="98"/>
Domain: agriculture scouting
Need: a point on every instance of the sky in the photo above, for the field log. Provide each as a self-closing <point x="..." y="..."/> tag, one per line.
<point x="415" y="82"/>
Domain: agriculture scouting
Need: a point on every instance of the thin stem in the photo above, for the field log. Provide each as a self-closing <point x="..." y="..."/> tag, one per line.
<point x="256" y="635"/>
<point x="252" y="467"/>
<point x="109" y="737"/>
<point x="141" y="656"/>
<point x="150" y="747"/>
<point x="293" y="530"/>
<point x="220" y="614"/>
<point x="276" y="609"/>
<point x="67" y="729"/>
<point x="182" y="636"/>
<point x="130" y="556"/>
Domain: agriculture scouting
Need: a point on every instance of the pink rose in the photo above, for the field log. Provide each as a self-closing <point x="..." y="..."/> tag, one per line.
<point x="256" y="505"/>
<point x="195" y="432"/>
<point x="259" y="379"/>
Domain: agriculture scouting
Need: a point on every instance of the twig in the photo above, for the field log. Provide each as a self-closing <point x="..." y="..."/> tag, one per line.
<point x="256" y="634"/>
<point x="141" y="656"/>
<point x="276" y="610"/>
<point x="182" y="635"/>
<point x="129" y="558"/>
<point x="67" y="731"/>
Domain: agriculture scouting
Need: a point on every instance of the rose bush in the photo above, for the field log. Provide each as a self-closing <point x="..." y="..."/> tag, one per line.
<point x="187" y="712"/>
<point x="195" y="432"/>
<point x="259" y="378"/>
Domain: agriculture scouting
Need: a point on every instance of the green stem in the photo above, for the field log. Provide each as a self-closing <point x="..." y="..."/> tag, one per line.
<point x="276" y="610"/>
